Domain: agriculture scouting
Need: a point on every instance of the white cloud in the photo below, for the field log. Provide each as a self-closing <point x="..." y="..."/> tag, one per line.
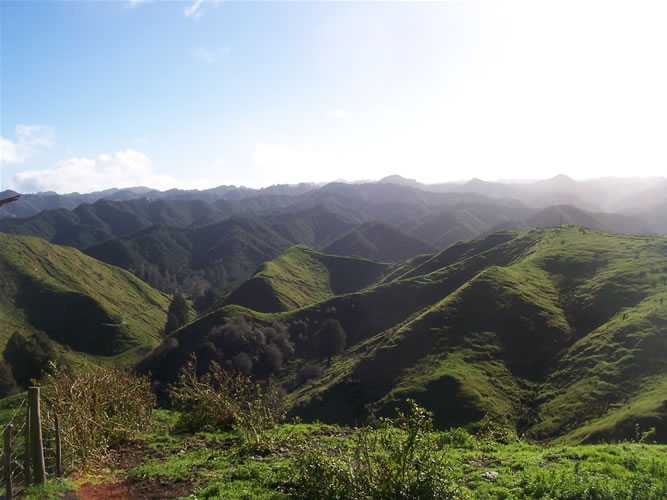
<point x="29" y="139"/>
<point x="8" y="152"/>
<point x="338" y="113"/>
<point x="123" y="169"/>
<point x="210" y="55"/>
<point x="195" y="10"/>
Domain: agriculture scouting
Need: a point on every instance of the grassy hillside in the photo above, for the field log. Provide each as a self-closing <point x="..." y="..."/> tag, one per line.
<point x="558" y="333"/>
<point x="301" y="277"/>
<point x="86" y="306"/>
<point x="307" y="461"/>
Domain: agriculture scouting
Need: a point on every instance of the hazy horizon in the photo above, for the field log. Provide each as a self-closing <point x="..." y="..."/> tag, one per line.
<point x="512" y="182"/>
<point x="203" y="93"/>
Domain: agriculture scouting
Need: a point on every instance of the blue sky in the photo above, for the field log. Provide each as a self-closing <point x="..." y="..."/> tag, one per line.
<point x="196" y="94"/>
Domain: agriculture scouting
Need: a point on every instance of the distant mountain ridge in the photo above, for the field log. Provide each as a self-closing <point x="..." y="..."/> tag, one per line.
<point x="624" y="195"/>
<point x="223" y="241"/>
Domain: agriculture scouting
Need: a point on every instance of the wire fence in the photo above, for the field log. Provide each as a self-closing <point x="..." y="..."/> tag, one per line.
<point x="18" y="456"/>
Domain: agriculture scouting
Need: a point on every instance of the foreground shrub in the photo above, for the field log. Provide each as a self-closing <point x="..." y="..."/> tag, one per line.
<point x="399" y="460"/>
<point x="97" y="407"/>
<point x="224" y="400"/>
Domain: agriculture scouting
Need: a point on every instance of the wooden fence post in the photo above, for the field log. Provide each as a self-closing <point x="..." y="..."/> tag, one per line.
<point x="9" y="491"/>
<point x="26" y="455"/>
<point x="39" y="471"/>
<point x="59" y="455"/>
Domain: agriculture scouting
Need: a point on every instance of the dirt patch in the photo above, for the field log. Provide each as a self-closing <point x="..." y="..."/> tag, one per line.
<point x="133" y="453"/>
<point x="124" y="459"/>
<point x="135" y="489"/>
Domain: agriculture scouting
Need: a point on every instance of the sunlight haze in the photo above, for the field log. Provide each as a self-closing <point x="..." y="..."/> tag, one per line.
<point x="197" y="94"/>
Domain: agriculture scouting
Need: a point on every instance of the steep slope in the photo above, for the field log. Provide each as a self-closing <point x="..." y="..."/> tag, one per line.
<point x="301" y="277"/>
<point x="375" y="240"/>
<point x="568" y="340"/>
<point x="558" y="333"/>
<point x="84" y="305"/>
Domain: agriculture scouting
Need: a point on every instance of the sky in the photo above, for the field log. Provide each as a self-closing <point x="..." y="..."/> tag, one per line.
<point x="101" y="94"/>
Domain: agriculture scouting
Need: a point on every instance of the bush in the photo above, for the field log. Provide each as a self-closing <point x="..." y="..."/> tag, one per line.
<point x="456" y="438"/>
<point x="330" y="339"/>
<point x="97" y="407"/>
<point x="399" y="460"/>
<point x="30" y="357"/>
<point x="7" y="383"/>
<point x="308" y="373"/>
<point x="224" y="400"/>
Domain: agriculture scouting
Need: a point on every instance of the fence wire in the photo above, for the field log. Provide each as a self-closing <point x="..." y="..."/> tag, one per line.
<point x="19" y="450"/>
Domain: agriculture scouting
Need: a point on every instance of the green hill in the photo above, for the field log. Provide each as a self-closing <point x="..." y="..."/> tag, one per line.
<point x="301" y="277"/>
<point x="91" y="224"/>
<point x="226" y="253"/>
<point x="86" y="306"/>
<point x="558" y="333"/>
<point x="376" y="240"/>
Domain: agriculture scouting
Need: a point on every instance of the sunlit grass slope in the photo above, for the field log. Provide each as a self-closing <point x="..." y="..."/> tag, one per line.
<point x="85" y="305"/>
<point x="301" y="277"/>
<point x="558" y="333"/>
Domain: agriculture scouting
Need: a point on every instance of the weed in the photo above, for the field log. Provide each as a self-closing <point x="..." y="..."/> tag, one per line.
<point x="401" y="459"/>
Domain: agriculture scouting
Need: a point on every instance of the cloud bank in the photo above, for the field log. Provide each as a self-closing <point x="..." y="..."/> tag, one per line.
<point x="122" y="169"/>
<point x="129" y="168"/>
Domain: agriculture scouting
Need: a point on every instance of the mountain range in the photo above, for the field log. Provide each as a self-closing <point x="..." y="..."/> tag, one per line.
<point x="221" y="237"/>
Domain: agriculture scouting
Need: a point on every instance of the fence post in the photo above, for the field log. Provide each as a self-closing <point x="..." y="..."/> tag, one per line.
<point x="59" y="455"/>
<point x="9" y="491"/>
<point x="26" y="454"/>
<point x="39" y="472"/>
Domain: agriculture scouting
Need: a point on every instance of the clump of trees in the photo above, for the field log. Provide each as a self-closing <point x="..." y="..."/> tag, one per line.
<point x="25" y="359"/>
<point x="330" y="339"/>
<point x="8" y="385"/>
<point x="308" y="373"/>
<point x="178" y="314"/>
<point x="247" y="349"/>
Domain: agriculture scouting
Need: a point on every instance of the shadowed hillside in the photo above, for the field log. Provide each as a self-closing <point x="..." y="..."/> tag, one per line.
<point x="82" y="304"/>
<point x="375" y="240"/>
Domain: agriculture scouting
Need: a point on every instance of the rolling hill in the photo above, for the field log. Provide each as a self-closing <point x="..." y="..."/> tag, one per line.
<point x="559" y="333"/>
<point x="379" y="241"/>
<point x="87" y="307"/>
<point x="301" y="277"/>
<point x="219" y="240"/>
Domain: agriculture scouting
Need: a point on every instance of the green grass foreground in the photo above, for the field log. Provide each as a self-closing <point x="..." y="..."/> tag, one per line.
<point x="219" y="465"/>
